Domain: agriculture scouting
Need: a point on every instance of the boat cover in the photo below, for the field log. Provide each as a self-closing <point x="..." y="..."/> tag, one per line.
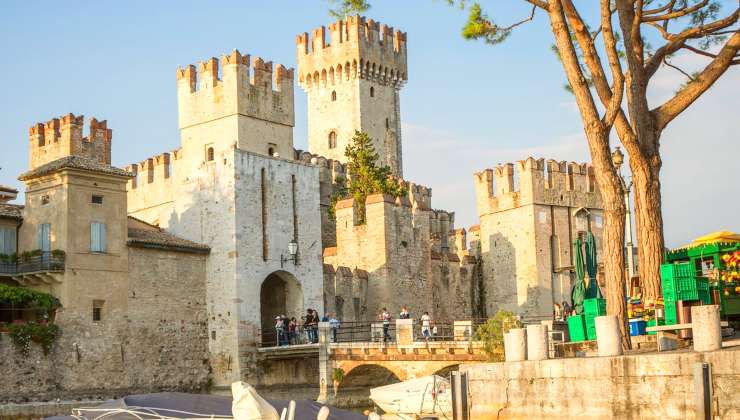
<point x="185" y="405"/>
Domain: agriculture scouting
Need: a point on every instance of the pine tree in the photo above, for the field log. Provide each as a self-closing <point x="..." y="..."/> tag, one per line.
<point x="365" y="176"/>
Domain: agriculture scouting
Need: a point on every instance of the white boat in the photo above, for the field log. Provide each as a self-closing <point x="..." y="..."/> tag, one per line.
<point x="428" y="396"/>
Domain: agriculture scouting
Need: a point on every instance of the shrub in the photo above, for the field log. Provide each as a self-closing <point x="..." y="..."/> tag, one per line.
<point x="491" y="333"/>
<point x="23" y="334"/>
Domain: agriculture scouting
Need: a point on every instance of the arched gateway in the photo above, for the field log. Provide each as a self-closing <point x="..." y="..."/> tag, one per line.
<point x="280" y="294"/>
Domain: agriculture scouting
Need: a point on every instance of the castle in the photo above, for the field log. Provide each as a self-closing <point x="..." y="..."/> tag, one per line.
<point x="248" y="215"/>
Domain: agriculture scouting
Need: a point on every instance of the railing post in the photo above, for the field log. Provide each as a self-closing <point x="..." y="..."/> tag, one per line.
<point x="324" y="362"/>
<point x="404" y="331"/>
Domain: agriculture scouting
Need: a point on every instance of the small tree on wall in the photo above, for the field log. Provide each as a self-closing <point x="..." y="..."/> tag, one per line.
<point x="365" y="176"/>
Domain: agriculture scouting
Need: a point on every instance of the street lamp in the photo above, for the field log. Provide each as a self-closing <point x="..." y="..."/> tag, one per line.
<point x="618" y="160"/>
<point x="293" y="251"/>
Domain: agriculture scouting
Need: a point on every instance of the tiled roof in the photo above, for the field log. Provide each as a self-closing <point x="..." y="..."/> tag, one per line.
<point x="143" y="235"/>
<point x="10" y="211"/>
<point x="74" y="162"/>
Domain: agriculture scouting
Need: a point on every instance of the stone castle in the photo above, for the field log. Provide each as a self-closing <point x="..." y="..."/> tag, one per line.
<point x="218" y="237"/>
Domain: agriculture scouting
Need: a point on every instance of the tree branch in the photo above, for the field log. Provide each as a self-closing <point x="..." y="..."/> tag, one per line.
<point x="661" y="9"/>
<point x="676" y="14"/>
<point x="678" y="69"/>
<point x="542" y="4"/>
<point x="699" y="51"/>
<point x="669" y="110"/>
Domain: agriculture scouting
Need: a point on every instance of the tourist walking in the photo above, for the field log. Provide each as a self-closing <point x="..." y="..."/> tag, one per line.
<point x="334" y="323"/>
<point x="385" y="316"/>
<point x="278" y="330"/>
<point x="426" y="323"/>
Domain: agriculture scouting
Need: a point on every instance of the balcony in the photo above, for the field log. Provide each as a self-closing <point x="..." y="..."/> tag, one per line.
<point x="35" y="269"/>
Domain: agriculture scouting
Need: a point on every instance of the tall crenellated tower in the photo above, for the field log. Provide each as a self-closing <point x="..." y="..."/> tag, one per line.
<point x="235" y="102"/>
<point x="353" y="83"/>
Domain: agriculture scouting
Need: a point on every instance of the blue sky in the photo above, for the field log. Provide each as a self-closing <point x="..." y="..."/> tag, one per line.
<point x="466" y="106"/>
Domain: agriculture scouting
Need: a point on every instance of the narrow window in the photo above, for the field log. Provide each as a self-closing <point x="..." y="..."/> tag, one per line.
<point x="97" y="199"/>
<point x="43" y="237"/>
<point x="209" y="154"/>
<point x="44" y="200"/>
<point x="98" y="237"/>
<point x="333" y="95"/>
<point x="372" y="91"/>
<point x="295" y="207"/>
<point x="332" y="139"/>
<point x="7" y="241"/>
<point x="271" y="151"/>
<point x="263" y="185"/>
<point x="387" y="123"/>
<point x="97" y="314"/>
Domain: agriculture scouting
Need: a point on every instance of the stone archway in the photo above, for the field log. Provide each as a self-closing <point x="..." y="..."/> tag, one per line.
<point x="354" y="390"/>
<point x="446" y="371"/>
<point x="280" y="294"/>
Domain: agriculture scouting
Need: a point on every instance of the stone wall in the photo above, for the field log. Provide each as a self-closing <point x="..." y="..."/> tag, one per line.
<point x="625" y="387"/>
<point x="156" y="341"/>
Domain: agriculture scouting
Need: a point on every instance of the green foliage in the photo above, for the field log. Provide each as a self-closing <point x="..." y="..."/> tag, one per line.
<point x="8" y="258"/>
<point x="23" y="334"/>
<point x="343" y="8"/>
<point x="365" y="176"/>
<point x="491" y="333"/>
<point x="479" y="26"/>
<point x="26" y="297"/>
<point x="337" y="375"/>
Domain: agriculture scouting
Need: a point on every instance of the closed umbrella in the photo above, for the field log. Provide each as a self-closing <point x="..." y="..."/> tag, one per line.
<point x="578" y="292"/>
<point x="593" y="290"/>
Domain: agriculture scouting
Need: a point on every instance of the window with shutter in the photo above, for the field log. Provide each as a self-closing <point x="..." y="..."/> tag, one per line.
<point x="98" y="237"/>
<point x="43" y="237"/>
<point x="7" y="241"/>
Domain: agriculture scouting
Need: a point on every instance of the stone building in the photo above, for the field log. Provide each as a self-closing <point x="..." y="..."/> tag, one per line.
<point x="122" y="284"/>
<point x="530" y="213"/>
<point x="402" y="254"/>
<point x="235" y="186"/>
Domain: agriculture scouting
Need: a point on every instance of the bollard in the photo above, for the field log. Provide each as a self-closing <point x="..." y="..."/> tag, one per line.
<point x="515" y="345"/>
<point x="608" y="335"/>
<point x="706" y="329"/>
<point x="537" y="342"/>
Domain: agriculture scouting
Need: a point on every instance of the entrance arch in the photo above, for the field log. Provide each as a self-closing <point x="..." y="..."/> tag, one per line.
<point x="280" y="294"/>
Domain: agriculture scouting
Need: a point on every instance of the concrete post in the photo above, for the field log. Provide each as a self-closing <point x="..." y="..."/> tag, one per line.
<point x="515" y="345"/>
<point x="706" y="328"/>
<point x="404" y="332"/>
<point x="462" y="330"/>
<point x="537" y="342"/>
<point x="324" y="362"/>
<point x="607" y="335"/>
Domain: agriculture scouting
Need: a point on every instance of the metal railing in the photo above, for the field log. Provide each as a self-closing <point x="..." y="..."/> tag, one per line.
<point x="372" y="331"/>
<point x="46" y="261"/>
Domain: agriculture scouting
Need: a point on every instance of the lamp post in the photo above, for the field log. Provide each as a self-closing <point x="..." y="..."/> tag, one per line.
<point x="618" y="160"/>
<point x="292" y="251"/>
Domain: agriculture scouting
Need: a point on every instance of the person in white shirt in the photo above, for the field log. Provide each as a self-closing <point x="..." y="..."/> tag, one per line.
<point x="385" y="316"/>
<point x="426" y="321"/>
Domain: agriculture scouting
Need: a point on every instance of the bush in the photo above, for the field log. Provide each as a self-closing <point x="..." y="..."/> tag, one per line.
<point x="26" y="297"/>
<point x="491" y="333"/>
<point x="337" y="375"/>
<point x="23" y="334"/>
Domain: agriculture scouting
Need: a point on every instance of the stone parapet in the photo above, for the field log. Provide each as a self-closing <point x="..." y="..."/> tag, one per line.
<point x="63" y="136"/>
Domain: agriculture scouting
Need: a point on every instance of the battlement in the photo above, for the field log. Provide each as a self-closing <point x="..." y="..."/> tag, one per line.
<point x="531" y="181"/>
<point x="329" y="169"/>
<point x="153" y="170"/>
<point x="63" y="136"/>
<point x="235" y="84"/>
<point x="357" y="48"/>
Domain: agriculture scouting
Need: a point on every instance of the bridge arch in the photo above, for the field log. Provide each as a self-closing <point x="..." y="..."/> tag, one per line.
<point x="280" y="294"/>
<point x="354" y="389"/>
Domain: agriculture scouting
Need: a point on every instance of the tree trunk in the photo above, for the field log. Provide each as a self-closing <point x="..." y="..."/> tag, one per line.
<point x="613" y="244"/>
<point x="649" y="219"/>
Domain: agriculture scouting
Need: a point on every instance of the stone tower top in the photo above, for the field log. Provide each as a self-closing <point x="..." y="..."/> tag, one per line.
<point x="61" y="137"/>
<point x="531" y="181"/>
<point x="357" y="48"/>
<point x="264" y="92"/>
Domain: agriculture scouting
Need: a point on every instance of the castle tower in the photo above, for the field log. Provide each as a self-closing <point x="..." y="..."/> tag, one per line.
<point x="62" y="137"/>
<point x="530" y="213"/>
<point x="353" y="83"/>
<point x="235" y="102"/>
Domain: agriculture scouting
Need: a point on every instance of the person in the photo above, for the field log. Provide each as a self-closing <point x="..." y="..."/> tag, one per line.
<point x="308" y="325"/>
<point x="286" y="329"/>
<point x="292" y="327"/>
<point x="334" y="323"/>
<point x="315" y="326"/>
<point x="278" y="329"/>
<point x="557" y="313"/>
<point x="567" y="310"/>
<point x="385" y="316"/>
<point x="325" y="318"/>
<point x="426" y="322"/>
<point x="404" y="313"/>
